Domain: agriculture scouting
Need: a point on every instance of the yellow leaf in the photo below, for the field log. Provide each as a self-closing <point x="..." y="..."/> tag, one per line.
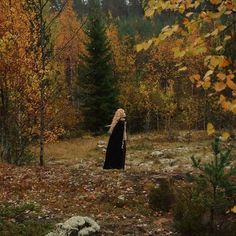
<point x="209" y="72"/>
<point x="219" y="86"/>
<point x="215" y="61"/>
<point x="225" y="136"/>
<point x="207" y="35"/>
<point x="233" y="209"/>
<point x="222" y="98"/>
<point x="231" y="84"/>
<point x="189" y="14"/>
<point x="219" y="48"/>
<point x="139" y="47"/>
<point x="165" y="28"/>
<point x="206" y="85"/>
<point x="183" y="68"/>
<point x="149" y="12"/>
<point x="147" y="44"/>
<point x="221" y="76"/>
<point x="233" y="107"/>
<point x="210" y="129"/>
<point x="225" y="105"/>
<point x="227" y="37"/>
<point x="215" y="2"/>
<point x="215" y="32"/>
<point x="181" y="9"/>
<point x="177" y="52"/>
<point x="194" y="78"/>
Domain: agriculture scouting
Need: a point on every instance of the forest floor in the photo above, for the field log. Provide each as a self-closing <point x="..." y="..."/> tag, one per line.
<point x="74" y="183"/>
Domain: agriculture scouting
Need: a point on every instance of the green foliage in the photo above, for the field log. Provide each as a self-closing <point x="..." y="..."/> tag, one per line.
<point x="190" y="213"/>
<point x="161" y="198"/>
<point x="97" y="84"/>
<point x="18" y="220"/>
<point x="213" y="194"/>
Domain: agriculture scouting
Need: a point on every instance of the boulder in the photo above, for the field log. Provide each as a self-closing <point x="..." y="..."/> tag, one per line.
<point x="159" y="154"/>
<point x="165" y="154"/>
<point x="101" y="144"/>
<point x="76" y="226"/>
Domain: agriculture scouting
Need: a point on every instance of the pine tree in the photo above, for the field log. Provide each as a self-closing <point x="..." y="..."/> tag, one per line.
<point x="97" y="84"/>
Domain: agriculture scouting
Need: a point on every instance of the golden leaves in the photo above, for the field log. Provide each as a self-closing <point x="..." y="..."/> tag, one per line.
<point x="233" y="209"/>
<point x="215" y="2"/>
<point x="178" y="52"/>
<point x="207" y="83"/>
<point x="144" y="45"/>
<point x="231" y="84"/>
<point x="210" y="129"/>
<point x="225" y="136"/>
<point x="219" y="86"/>
<point x="208" y="73"/>
<point x="216" y="61"/>
<point x="149" y="12"/>
<point x="195" y="78"/>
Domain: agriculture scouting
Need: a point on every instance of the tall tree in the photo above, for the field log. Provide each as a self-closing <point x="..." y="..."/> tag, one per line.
<point x="97" y="86"/>
<point x="135" y="8"/>
<point x="115" y="7"/>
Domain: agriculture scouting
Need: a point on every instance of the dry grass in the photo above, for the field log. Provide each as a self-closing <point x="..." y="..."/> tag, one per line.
<point x="71" y="151"/>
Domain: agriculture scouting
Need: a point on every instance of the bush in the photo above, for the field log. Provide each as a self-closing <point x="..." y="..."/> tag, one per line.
<point x="161" y="198"/>
<point x="203" y="208"/>
<point x="190" y="214"/>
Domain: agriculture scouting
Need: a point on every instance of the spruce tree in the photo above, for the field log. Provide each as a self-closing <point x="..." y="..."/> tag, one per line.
<point x="97" y="84"/>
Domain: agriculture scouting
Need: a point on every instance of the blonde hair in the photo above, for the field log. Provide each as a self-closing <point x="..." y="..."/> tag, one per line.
<point x="119" y="114"/>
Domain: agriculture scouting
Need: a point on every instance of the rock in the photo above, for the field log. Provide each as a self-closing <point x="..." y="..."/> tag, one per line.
<point x="101" y="144"/>
<point x="166" y="154"/>
<point x="157" y="154"/>
<point x="76" y="225"/>
<point x="120" y="202"/>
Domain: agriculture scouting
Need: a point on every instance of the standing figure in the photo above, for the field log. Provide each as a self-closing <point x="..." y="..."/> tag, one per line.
<point x="116" y="148"/>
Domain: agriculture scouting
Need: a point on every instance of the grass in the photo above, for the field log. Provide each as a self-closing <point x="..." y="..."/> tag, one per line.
<point x="71" y="151"/>
<point x="21" y="219"/>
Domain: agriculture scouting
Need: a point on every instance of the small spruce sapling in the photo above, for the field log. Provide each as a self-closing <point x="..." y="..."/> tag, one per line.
<point x="214" y="181"/>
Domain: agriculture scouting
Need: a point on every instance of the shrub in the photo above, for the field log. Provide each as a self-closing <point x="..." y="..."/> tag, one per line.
<point x="204" y="209"/>
<point x="190" y="214"/>
<point x="161" y="198"/>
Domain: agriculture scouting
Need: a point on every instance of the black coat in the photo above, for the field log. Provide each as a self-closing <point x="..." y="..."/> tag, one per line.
<point x="116" y="148"/>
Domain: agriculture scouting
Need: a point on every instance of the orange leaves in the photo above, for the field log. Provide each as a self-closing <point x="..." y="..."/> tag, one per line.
<point x="215" y="2"/>
<point x="216" y="61"/>
<point x="194" y="78"/>
<point x="219" y="86"/>
<point x="221" y="76"/>
<point x="231" y="84"/>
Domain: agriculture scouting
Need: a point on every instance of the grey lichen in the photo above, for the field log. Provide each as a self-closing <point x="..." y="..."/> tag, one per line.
<point x="76" y="225"/>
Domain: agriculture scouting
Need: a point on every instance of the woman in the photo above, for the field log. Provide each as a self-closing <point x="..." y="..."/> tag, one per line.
<point x="116" y="148"/>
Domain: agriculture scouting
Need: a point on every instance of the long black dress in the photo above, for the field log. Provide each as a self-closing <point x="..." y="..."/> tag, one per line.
<point x="116" y="148"/>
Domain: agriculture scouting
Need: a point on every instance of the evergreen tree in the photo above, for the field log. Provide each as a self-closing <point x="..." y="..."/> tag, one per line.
<point x="97" y="84"/>
<point x="118" y="8"/>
